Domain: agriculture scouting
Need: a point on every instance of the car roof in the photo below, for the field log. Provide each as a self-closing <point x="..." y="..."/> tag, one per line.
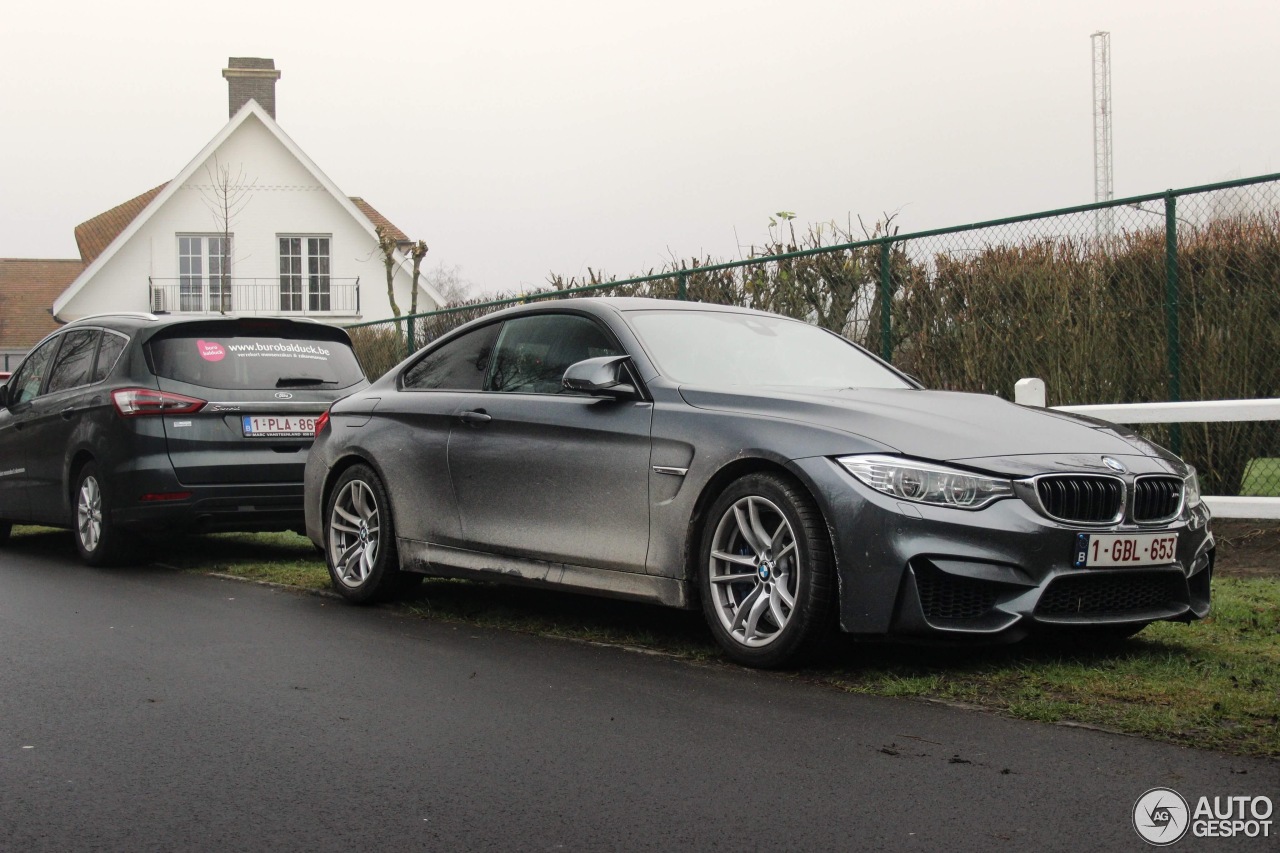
<point x="140" y="319"/>
<point x="619" y="304"/>
<point x="597" y="306"/>
<point x="123" y="320"/>
<point x="142" y="327"/>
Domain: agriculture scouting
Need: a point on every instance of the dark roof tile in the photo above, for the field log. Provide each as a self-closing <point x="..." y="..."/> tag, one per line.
<point x="378" y="219"/>
<point x="27" y="290"/>
<point x="97" y="233"/>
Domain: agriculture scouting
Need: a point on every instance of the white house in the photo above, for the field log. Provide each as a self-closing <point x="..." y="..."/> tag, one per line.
<point x="250" y="226"/>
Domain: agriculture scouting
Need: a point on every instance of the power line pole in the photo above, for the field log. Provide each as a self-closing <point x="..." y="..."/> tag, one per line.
<point x="1103" y="185"/>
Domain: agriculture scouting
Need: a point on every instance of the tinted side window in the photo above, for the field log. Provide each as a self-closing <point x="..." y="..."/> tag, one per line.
<point x="460" y="365"/>
<point x="74" y="363"/>
<point x="535" y="351"/>
<point x="108" y="354"/>
<point x="26" y="383"/>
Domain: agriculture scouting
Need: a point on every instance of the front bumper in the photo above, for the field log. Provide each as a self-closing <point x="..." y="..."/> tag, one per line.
<point x="910" y="569"/>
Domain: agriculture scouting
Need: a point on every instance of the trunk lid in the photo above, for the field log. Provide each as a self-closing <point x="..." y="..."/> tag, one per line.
<point x="265" y="383"/>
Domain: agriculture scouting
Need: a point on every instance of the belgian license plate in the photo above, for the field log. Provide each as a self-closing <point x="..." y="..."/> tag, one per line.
<point x="279" y="426"/>
<point x="1125" y="549"/>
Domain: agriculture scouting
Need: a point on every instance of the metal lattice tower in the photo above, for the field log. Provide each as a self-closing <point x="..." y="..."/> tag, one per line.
<point x="1103" y="186"/>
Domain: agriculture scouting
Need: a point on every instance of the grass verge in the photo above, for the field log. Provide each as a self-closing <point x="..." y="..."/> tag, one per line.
<point x="1214" y="684"/>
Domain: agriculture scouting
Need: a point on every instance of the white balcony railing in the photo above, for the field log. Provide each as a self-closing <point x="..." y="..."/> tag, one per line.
<point x="277" y="296"/>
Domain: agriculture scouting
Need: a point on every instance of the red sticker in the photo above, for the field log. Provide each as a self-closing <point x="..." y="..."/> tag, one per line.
<point x="210" y="351"/>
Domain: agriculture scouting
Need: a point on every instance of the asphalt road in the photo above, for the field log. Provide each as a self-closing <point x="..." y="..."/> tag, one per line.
<point x="148" y="709"/>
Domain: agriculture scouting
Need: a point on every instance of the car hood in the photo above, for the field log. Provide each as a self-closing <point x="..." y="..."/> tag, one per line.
<point x="941" y="425"/>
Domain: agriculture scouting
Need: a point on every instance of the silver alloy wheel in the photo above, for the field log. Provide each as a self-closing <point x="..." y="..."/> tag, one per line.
<point x="353" y="533"/>
<point x="89" y="514"/>
<point x="754" y="571"/>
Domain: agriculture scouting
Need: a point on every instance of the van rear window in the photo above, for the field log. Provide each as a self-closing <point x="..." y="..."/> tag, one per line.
<point x="255" y="362"/>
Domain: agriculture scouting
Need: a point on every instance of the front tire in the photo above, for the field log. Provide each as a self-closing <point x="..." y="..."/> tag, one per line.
<point x="99" y="541"/>
<point x="766" y="572"/>
<point x="360" y="537"/>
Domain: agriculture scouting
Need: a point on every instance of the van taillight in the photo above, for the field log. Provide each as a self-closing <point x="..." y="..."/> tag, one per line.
<point x="132" y="402"/>
<point x="322" y="421"/>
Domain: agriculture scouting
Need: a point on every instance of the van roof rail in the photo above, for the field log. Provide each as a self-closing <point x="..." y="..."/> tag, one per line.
<point x="141" y="315"/>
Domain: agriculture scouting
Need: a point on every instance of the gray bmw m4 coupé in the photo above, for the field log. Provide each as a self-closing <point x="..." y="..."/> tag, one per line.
<point x="779" y="477"/>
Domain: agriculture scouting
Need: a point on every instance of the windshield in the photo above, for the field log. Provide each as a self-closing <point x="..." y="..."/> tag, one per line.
<point x="720" y="349"/>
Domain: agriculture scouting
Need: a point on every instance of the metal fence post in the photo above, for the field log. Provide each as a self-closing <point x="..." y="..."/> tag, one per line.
<point x="682" y="287"/>
<point x="886" y="298"/>
<point x="1171" y="296"/>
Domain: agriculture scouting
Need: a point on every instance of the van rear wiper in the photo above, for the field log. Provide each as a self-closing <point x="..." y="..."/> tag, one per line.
<point x="295" y="381"/>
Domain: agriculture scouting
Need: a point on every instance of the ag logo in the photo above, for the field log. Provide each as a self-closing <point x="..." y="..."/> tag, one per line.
<point x="1161" y="816"/>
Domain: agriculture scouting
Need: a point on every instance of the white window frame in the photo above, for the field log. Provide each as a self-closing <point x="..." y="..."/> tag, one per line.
<point x="305" y="276"/>
<point x="200" y="274"/>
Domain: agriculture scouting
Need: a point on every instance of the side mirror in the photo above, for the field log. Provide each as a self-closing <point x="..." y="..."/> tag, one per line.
<point x="606" y="376"/>
<point x="4" y="395"/>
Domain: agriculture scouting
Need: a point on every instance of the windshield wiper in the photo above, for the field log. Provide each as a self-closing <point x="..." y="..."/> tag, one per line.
<point x="296" y="381"/>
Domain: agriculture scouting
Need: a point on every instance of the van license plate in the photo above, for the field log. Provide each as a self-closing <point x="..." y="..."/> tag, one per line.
<point x="1125" y="549"/>
<point x="279" y="426"/>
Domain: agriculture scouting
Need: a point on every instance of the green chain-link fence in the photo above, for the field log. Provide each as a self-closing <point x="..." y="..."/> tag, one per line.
<point x="1170" y="296"/>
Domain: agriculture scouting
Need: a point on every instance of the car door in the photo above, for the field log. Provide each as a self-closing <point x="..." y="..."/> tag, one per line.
<point x="19" y="442"/>
<point x="409" y="436"/>
<point x="54" y="416"/>
<point x="547" y="474"/>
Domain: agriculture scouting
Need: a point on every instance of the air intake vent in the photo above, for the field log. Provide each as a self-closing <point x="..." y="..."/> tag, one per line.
<point x="1157" y="498"/>
<point x="1083" y="498"/>
<point x="1111" y="595"/>
<point x="948" y="597"/>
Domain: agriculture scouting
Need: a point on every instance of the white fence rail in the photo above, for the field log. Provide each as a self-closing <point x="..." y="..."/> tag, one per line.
<point x="1030" y="392"/>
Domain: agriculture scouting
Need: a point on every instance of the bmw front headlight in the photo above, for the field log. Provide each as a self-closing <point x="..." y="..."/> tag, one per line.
<point x="1191" y="488"/>
<point x="925" y="482"/>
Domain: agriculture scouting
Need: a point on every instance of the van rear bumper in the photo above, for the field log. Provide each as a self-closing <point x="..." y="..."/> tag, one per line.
<point x="255" y="507"/>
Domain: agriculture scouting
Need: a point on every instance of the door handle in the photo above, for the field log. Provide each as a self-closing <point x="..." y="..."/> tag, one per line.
<point x="68" y="412"/>
<point x="476" y="417"/>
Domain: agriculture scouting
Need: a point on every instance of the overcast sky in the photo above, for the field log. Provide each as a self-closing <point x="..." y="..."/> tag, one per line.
<point x="524" y="138"/>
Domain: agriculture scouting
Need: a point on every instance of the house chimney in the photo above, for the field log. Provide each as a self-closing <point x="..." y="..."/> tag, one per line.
<point x="251" y="78"/>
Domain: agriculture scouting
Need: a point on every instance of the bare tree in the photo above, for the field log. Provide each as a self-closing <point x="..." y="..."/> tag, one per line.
<point x="417" y="252"/>
<point x="450" y="284"/>
<point x="387" y="246"/>
<point x="226" y="197"/>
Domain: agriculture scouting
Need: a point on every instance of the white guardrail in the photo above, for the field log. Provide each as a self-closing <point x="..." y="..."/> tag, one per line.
<point x="1030" y="392"/>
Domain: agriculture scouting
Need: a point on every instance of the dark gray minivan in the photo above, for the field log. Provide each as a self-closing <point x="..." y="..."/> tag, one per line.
<point x="136" y="423"/>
